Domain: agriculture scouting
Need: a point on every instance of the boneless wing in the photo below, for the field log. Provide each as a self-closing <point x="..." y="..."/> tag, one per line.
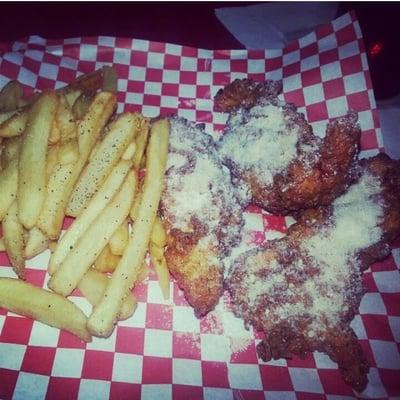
<point x="271" y="147"/>
<point x="303" y="290"/>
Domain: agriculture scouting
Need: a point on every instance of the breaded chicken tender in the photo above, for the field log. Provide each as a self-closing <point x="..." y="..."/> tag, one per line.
<point x="303" y="290"/>
<point x="271" y="148"/>
<point x="202" y="211"/>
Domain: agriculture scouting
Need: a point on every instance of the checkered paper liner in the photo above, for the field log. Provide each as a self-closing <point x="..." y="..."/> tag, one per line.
<point x="163" y="351"/>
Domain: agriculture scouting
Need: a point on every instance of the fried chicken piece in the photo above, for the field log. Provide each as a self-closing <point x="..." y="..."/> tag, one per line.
<point x="202" y="211"/>
<point x="303" y="290"/>
<point x="272" y="148"/>
<point x="245" y="93"/>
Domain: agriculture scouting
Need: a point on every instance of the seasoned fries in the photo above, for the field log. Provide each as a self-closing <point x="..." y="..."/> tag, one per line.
<point x="59" y="156"/>
<point x="50" y="308"/>
<point x="62" y="181"/>
<point x="85" y="219"/>
<point x="32" y="180"/>
<point x="14" y="239"/>
<point x="93" y="285"/>
<point x="110" y="150"/>
<point x="105" y="314"/>
<point x="82" y="256"/>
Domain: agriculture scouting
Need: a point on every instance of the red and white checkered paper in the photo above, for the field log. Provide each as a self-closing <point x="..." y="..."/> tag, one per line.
<point x="163" y="351"/>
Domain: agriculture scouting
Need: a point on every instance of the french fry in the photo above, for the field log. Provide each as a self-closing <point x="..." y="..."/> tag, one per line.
<point x="160" y="266"/>
<point x="106" y="260"/>
<point x="2" y="245"/>
<point x="84" y="220"/>
<point x="53" y="211"/>
<point x="107" y="155"/>
<point x="136" y="203"/>
<point x="8" y="186"/>
<point x="129" y="152"/>
<point x="71" y="95"/>
<point x="32" y="160"/>
<point x="52" y="159"/>
<point x="158" y="241"/>
<point x="36" y="243"/>
<point x="65" y="176"/>
<point x="6" y="115"/>
<point x="52" y="309"/>
<point x="88" y="83"/>
<point x="93" y="285"/>
<point x="68" y="152"/>
<point x="85" y="252"/>
<point x="104" y="315"/>
<point x="65" y="120"/>
<point x="10" y="150"/>
<point x="141" y="142"/>
<point x="15" y="125"/>
<point x="10" y="96"/>
<point x="14" y="239"/>
<point x="55" y="133"/>
<point x="81" y="106"/>
<point x="158" y="234"/>
<point x="119" y="239"/>
<point x="143" y="272"/>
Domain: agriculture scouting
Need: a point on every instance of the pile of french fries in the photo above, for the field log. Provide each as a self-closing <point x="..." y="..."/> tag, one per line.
<point x="65" y="153"/>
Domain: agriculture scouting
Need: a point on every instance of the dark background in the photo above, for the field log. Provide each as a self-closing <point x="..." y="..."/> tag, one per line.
<point x="193" y="24"/>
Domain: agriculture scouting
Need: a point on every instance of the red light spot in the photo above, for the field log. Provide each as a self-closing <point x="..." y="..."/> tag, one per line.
<point x="375" y="49"/>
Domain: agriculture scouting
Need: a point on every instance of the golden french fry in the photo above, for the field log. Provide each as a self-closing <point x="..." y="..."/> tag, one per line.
<point x="129" y="152"/>
<point x="160" y="266"/>
<point x="93" y="285"/>
<point x="104" y="315"/>
<point x="10" y="149"/>
<point x="107" y="155"/>
<point x="55" y="133"/>
<point x="85" y="252"/>
<point x="81" y="106"/>
<point x="143" y="272"/>
<point x="65" y="176"/>
<point x="6" y="115"/>
<point x="32" y="160"/>
<point x="85" y="219"/>
<point x="10" y="96"/>
<point x="141" y="142"/>
<point x="71" y="95"/>
<point x="8" y="186"/>
<point x="15" y="125"/>
<point x="68" y="152"/>
<point x="156" y="251"/>
<point x="52" y="309"/>
<point x="136" y="203"/>
<point x="52" y="214"/>
<point x="36" y="242"/>
<point x="106" y="260"/>
<point x="65" y="120"/>
<point x="89" y="83"/>
<point x="119" y="239"/>
<point x="52" y="159"/>
<point x="14" y="239"/>
<point x="158" y="234"/>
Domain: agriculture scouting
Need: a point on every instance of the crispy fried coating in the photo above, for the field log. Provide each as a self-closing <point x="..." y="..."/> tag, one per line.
<point x="202" y="212"/>
<point x="271" y="147"/>
<point x="303" y="290"/>
<point x="245" y="93"/>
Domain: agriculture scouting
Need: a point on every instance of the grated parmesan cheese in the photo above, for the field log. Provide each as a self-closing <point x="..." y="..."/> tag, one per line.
<point x="199" y="188"/>
<point x="323" y="275"/>
<point x="260" y="139"/>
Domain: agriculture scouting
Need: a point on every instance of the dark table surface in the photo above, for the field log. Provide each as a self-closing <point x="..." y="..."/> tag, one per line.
<point x="193" y="24"/>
